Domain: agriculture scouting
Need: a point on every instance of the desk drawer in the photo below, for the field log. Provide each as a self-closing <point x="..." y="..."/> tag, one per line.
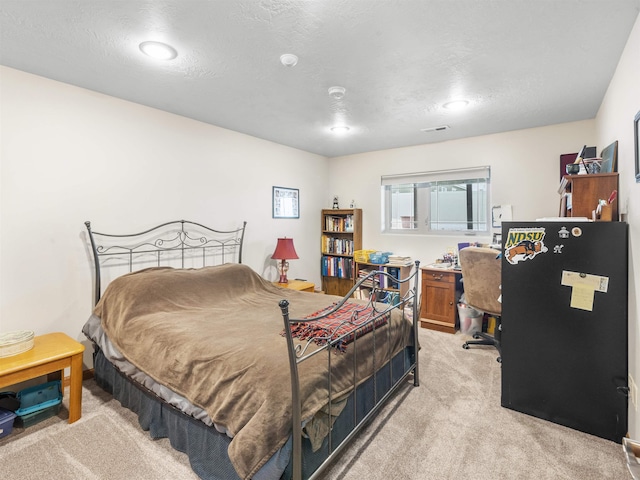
<point x="431" y="276"/>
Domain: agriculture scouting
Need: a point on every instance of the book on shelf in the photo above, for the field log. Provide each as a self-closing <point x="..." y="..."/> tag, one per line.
<point x="343" y="223"/>
<point x="372" y="282"/>
<point x="340" y="267"/>
<point x="337" y="246"/>
<point x="395" y="273"/>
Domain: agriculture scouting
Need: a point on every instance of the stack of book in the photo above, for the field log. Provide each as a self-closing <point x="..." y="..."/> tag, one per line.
<point x="371" y="282"/>
<point x="400" y="260"/>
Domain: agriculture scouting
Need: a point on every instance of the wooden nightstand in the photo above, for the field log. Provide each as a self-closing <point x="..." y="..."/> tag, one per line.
<point x="300" y="285"/>
<point x="51" y="353"/>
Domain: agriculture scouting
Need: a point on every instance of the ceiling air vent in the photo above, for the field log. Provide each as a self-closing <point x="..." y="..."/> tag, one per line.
<point x="441" y="128"/>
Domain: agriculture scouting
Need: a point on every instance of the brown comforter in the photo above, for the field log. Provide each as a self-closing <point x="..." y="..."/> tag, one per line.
<point x="213" y="336"/>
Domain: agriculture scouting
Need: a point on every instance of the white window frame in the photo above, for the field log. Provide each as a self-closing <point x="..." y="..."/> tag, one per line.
<point x="422" y="184"/>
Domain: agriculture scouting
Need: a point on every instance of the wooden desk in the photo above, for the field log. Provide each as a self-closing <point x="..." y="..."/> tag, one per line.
<point x="439" y="299"/>
<point x="51" y="353"/>
<point x="300" y="285"/>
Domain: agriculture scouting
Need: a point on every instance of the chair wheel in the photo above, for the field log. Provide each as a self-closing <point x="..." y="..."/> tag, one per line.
<point x="476" y="336"/>
<point x="465" y="346"/>
<point x="499" y="359"/>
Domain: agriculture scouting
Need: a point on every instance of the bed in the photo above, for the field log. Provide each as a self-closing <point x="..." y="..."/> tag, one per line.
<point x="250" y="380"/>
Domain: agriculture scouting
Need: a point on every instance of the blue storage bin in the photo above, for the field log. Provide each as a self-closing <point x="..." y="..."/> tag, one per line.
<point x="39" y="397"/>
<point x="6" y="422"/>
<point x="379" y="258"/>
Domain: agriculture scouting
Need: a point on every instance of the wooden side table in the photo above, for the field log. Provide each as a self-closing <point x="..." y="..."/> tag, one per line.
<point x="51" y="353"/>
<point x="300" y="285"/>
<point x="439" y="296"/>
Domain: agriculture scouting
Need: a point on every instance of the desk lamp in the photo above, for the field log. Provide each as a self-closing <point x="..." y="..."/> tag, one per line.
<point x="284" y="251"/>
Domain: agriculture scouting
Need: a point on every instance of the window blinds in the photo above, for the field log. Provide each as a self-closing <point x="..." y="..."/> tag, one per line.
<point x="436" y="176"/>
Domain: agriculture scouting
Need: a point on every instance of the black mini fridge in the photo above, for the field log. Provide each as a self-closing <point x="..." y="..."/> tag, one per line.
<point x="564" y="323"/>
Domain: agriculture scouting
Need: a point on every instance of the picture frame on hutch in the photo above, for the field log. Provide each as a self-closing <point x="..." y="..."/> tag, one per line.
<point x="285" y="202"/>
<point x="609" y="158"/>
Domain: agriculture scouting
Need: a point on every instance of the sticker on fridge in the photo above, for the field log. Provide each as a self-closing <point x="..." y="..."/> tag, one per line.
<point x="524" y="244"/>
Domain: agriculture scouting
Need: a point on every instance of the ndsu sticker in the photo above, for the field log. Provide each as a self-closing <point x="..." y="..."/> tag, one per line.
<point x="524" y="244"/>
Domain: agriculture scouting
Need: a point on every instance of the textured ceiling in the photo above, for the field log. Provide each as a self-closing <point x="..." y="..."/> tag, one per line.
<point x="520" y="63"/>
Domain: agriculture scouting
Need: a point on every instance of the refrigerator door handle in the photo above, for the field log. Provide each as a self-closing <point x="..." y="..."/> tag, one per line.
<point x="623" y="391"/>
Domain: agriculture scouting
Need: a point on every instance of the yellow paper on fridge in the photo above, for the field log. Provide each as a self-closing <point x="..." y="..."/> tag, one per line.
<point x="582" y="297"/>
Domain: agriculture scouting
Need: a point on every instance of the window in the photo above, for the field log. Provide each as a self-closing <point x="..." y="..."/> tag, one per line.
<point x="446" y="201"/>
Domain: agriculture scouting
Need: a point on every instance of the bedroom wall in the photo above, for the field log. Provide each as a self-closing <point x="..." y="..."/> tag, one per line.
<point x="525" y="173"/>
<point x="70" y="155"/>
<point x="615" y="122"/>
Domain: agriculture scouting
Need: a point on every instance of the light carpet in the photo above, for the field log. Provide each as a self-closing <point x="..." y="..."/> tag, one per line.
<point x="451" y="427"/>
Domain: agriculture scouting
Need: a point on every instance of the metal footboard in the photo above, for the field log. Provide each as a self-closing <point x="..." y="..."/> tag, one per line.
<point x="301" y="351"/>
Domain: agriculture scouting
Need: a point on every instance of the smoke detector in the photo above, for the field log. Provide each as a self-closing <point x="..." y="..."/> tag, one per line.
<point x="288" y="60"/>
<point x="337" y="92"/>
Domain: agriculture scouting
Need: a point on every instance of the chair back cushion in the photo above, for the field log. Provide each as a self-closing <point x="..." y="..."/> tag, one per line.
<point x="481" y="274"/>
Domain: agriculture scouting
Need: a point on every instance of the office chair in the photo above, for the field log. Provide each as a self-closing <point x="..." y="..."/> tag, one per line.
<point x="481" y="278"/>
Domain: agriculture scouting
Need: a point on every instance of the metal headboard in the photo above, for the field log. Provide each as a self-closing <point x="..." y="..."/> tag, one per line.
<point x="179" y="243"/>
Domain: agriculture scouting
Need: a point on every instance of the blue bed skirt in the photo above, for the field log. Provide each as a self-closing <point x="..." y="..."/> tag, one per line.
<point x="205" y="446"/>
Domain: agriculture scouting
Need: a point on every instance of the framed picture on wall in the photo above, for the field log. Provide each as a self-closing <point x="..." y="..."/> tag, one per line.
<point x="636" y="148"/>
<point x="285" y="202"/>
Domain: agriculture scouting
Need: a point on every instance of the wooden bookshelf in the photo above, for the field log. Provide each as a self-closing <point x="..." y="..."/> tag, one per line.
<point x="341" y="236"/>
<point x="580" y="194"/>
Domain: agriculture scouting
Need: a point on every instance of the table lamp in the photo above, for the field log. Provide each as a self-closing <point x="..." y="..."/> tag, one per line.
<point x="284" y="251"/>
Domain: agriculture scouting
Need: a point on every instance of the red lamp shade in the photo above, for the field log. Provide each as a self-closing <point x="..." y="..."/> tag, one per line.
<point x="284" y="251"/>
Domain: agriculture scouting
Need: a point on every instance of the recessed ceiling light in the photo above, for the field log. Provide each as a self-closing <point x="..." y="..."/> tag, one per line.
<point x="288" y="60"/>
<point x="340" y="129"/>
<point x="158" y="50"/>
<point x="456" y="104"/>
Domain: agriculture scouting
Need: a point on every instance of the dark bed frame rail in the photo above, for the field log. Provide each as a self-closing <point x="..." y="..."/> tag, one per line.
<point x="181" y="237"/>
<point x="299" y="352"/>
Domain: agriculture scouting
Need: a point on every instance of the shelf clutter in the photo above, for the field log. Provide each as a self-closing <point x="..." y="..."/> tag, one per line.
<point x="380" y="280"/>
<point x="383" y="271"/>
<point x="590" y="184"/>
<point x="344" y="261"/>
